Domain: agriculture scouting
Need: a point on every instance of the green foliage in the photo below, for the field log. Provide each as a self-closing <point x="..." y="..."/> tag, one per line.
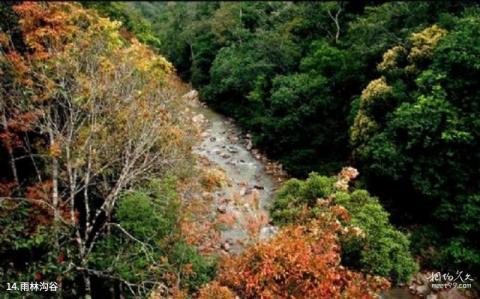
<point x="425" y="140"/>
<point x="151" y="212"/>
<point x="26" y="249"/>
<point x="400" y="79"/>
<point x="378" y="248"/>
<point x="296" y="195"/>
<point x="384" y="250"/>
<point x="303" y="111"/>
<point x="145" y="244"/>
<point x="130" y="18"/>
<point x="281" y="70"/>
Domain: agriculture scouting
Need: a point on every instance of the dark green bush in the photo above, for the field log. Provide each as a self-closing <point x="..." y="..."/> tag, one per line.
<point x="379" y="249"/>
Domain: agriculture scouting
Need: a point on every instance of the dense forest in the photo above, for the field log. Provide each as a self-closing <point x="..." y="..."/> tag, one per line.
<point x="371" y="107"/>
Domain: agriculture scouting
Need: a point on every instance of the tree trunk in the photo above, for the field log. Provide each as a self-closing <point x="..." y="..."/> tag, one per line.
<point x="11" y="157"/>
<point x="54" y="176"/>
<point x="88" y="286"/>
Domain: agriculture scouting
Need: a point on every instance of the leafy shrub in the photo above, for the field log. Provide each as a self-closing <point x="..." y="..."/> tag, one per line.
<point x="377" y="247"/>
<point x="300" y="262"/>
<point x="383" y="250"/>
<point x="146" y="245"/>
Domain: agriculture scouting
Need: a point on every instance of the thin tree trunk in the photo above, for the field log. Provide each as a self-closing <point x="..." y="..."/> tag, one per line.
<point x="88" y="286"/>
<point x="337" y="22"/>
<point x="10" y="151"/>
<point x="54" y="176"/>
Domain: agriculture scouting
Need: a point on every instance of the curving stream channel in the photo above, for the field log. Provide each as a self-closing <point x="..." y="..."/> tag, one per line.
<point x="250" y="185"/>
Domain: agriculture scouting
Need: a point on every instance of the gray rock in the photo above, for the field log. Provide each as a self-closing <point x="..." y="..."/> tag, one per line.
<point x="422" y="278"/>
<point x="267" y="232"/>
<point x="232" y="163"/>
<point x="243" y="191"/>
<point x="411" y="288"/>
<point x="191" y="95"/>
<point x="422" y="289"/>
<point x="232" y="149"/>
<point x="198" y="118"/>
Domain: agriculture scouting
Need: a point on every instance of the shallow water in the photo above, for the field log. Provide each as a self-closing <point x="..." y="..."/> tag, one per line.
<point x="223" y="145"/>
<point x="240" y="165"/>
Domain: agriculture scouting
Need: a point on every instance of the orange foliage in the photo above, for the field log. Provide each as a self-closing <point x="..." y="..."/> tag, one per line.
<point x="215" y="291"/>
<point x="55" y="150"/>
<point x="6" y="188"/>
<point x="300" y="262"/>
<point x="212" y="178"/>
<point x="254" y="223"/>
<point x="201" y="234"/>
<point x="21" y="67"/>
<point x="11" y="136"/>
<point x="45" y="25"/>
<point x="39" y="195"/>
<point x="228" y="219"/>
<point x="40" y="199"/>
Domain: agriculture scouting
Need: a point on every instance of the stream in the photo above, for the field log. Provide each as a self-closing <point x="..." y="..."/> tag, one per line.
<point x="251" y="183"/>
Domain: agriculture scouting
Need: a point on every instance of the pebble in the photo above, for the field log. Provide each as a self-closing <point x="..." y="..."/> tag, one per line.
<point x="411" y="288"/>
<point x="243" y="191"/>
<point x="232" y="149"/>
<point x="197" y="118"/>
<point x="226" y="246"/>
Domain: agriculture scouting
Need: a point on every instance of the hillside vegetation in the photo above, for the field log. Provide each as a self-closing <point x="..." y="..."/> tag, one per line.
<point x="94" y="144"/>
<point x="390" y="88"/>
<point x="101" y="192"/>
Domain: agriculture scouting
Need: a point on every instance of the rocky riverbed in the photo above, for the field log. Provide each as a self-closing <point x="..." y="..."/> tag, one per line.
<point x="251" y="178"/>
